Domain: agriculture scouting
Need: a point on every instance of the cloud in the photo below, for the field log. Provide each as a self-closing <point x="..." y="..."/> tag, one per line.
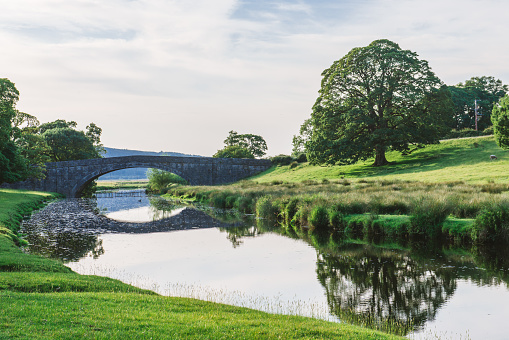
<point x="178" y="75"/>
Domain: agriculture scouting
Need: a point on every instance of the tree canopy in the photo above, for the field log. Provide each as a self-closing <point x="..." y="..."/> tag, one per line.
<point x="486" y="91"/>
<point x="254" y="143"/>
<point x="376" y="98"/>
<point x="500" y="119"/>
<point x="66" y="143"/>
<point x="242" y="146"/>
<point x="233" y="151"/>
<point x="13" y="166"/>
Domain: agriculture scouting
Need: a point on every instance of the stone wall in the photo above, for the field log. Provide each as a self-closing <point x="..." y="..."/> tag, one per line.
<point x="70" y="177"/>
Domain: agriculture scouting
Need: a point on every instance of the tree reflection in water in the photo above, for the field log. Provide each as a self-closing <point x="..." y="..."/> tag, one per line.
<point x="66" y="245"/>
<point x="381" y="289"/>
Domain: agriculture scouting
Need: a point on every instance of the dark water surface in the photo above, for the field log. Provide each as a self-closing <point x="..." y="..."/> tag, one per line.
<point x="175" y="250"/>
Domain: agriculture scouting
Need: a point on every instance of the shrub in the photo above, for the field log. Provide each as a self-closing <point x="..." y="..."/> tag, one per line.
<point x="319" y="218"/>
<point x="265" y="208"/>
<point x="337" y="221"/>
<point x="488" y="131"/>
<point x="301" y="158"/>
<point x="293" y="164"/>
<point x="281" y="160"/>
<point x="492" y="224"/>
<point x="289" y="210"/>
<point x="427" y="218"/>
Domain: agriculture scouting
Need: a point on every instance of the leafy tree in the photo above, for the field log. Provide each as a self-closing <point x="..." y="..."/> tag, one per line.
<point x="158" y="180"/>
<point x="31" y="145"/>
<point x="12" y="164"/>
<point x="233" y="151"/>
<point x="57" y="124"/>
<point x="254" y="143"/>
<point x="67" y="144"/>
<point x="37" y="153"/>
<point x="299" y="141"/>
<point x="486" y="90"/>
<point x="500" y="119"/>
<point x="375" y="98"/>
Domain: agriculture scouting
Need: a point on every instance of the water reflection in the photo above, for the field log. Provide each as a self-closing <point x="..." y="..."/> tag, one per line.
<point x="65" y="245"/>
<point x="400" y="288"/>
<point x="384" y="289"/>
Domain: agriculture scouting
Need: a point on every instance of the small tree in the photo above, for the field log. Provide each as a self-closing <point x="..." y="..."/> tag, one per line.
<point x="500" y="120"/>
<point x="233" y="151"/>
<point x="158" y="180"/>
<point x="254" y="143"/>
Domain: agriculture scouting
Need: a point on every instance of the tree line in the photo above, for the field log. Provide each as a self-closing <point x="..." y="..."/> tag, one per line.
<point x="26" y="145"/>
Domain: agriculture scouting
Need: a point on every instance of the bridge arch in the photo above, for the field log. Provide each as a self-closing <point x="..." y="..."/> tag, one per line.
<point x="87" y="179"/>
<point x="70" y="177"/>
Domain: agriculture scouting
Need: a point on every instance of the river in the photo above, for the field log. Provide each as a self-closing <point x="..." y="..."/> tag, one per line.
<point x="217" y="256"/>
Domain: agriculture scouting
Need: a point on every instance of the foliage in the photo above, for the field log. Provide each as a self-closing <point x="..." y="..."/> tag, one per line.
<point x="158" y="180"/>
<point x="254" y="143"/>
<point x="492" y="224"/>
<point x="299" y="141"/>
<point x="428" y="215"/>
<point x="319" y="218"/>
<point x="36" y="151"/>
<point x="373" y="99"/>
<point x="67" y="144"/>
<point x="486" y="91"/>
<point x="468" y="132"/>
<point x="233" y="151"/>
<point x="500" y="119"/>
<point x="466" y="160"/>
<point x="281" y="160"/>
<point x="12" y="165"/>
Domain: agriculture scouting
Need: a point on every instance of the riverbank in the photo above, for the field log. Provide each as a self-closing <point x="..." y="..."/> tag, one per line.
<point x="43" y="299"/>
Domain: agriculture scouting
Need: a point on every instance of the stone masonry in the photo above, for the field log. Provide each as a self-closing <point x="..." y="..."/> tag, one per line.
<point x="71" y="177"/>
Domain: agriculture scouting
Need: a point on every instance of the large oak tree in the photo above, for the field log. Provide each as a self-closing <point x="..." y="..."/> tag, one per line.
<point x="376" y="98"/>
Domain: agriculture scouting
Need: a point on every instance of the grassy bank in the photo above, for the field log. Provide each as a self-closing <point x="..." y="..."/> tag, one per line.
<point x="451" y="190"/>
<point x="42" y="299"/>
<point x="466" y="160"/>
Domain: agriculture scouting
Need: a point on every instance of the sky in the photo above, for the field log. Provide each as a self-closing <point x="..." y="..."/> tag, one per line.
<point x="176" y="75"/>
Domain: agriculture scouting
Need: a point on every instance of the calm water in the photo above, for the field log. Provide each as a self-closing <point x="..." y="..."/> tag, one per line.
<point x="451" y="293"/>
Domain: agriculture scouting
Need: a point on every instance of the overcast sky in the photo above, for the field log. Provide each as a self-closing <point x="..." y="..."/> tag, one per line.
<point x="177" y="75"/>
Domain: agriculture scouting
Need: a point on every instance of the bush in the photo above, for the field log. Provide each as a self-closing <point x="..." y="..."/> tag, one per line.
<point x="289" y="210"/>
<point x="281" y="160"/>
<point x="301" y="158"/>
<point x="337" y="221"/>
<point x="427" y="218"/>
<point x="265" y="208"/>
<point x="319" y="218"/>
<point x="491" y="225"/>
<point x="293" y="164"/>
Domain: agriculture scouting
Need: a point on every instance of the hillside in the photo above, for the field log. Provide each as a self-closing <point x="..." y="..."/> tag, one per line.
<point x="135" y="173"/>
<point x="452" y="160"/>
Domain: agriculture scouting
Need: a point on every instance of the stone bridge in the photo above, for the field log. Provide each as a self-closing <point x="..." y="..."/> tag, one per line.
<point x="71" y="177"/>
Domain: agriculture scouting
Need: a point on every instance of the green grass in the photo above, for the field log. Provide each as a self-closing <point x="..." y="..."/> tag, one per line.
<point x="42" y="299"/>
<point x="121" y="184"/>
<point x="135" y="316"/>
<point x="466" y="160"/>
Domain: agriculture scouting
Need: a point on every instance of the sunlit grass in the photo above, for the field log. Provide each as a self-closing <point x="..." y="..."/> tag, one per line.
<point x="452" y="160"/>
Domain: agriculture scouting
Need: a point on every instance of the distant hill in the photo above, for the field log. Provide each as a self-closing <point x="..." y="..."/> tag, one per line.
<point x="135" y="173"/>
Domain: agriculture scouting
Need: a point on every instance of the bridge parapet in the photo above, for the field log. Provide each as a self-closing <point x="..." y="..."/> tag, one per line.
<point x="71" y="177"/>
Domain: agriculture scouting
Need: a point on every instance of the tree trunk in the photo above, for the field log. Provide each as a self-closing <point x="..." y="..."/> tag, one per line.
<point x="380" y="156"/>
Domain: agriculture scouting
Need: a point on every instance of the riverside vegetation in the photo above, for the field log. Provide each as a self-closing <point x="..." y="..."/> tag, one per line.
<point x="450" y="191"/>
<point x="43" y="299"/>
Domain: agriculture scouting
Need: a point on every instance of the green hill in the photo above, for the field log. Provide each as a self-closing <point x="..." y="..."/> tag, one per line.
<point x="466" y="159"/>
